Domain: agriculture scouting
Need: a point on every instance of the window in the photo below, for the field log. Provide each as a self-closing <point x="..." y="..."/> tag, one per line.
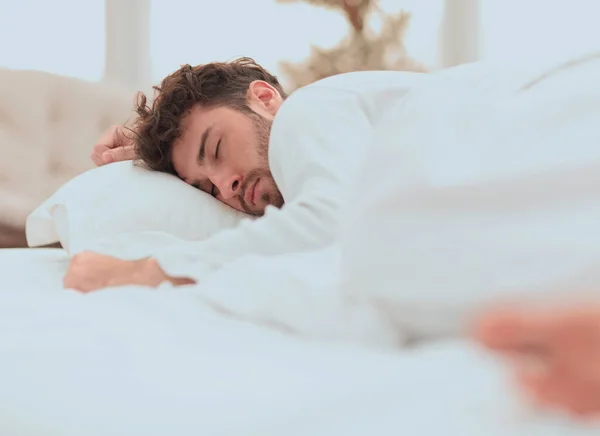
<point x="59" y="36"/>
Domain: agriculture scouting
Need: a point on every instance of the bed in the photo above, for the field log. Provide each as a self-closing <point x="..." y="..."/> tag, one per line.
<point x="136" y="361"/>
<point x="359" y="338"/>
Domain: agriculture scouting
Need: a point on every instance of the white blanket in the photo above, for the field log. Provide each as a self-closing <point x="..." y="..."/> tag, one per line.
<point x="477" y="197"/>
<point x="133" y="361"/>
<point x="310" y="344"/>
<point x="482" y="187"/>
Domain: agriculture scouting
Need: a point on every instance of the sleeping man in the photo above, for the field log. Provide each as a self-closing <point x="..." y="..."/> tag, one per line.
<point x="230" y="130"/>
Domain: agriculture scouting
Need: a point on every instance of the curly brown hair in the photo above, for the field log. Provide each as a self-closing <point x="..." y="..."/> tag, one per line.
<point x="215" y="84"/>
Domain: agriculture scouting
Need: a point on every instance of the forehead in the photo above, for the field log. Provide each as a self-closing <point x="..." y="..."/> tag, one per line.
<point x="185" y="149"/>
<point x="195" y="122"/>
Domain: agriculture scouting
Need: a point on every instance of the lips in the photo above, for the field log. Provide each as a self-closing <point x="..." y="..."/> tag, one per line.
<point x="251" y="193"/>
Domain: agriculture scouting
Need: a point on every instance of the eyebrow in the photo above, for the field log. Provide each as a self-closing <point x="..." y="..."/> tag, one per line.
<point x="203" y="139"/>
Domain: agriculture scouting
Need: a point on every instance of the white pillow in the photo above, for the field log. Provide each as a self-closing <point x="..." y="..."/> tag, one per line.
<point x="120" y="199"/>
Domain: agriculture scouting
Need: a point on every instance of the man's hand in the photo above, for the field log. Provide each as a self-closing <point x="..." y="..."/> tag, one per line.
<point x="89" y="272"/>
<point x="554" y="352"/>
<point x="116" y="144"/>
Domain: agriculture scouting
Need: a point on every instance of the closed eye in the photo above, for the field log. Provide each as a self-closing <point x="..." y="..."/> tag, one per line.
<point x="217" y="150"/>
<point x="213" y="190"/>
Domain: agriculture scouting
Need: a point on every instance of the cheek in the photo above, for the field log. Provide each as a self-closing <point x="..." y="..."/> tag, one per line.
<point x="231" y="202"/>
<point x="244" y="153"/>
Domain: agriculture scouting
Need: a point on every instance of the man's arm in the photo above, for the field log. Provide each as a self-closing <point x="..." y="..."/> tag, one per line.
<point x="318" y="140"/>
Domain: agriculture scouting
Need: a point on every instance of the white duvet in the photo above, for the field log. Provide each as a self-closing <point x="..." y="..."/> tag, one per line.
<point x="135" y="361"/>
<point x="347" y="340"/>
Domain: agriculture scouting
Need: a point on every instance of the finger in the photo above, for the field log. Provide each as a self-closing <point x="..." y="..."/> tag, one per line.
<point x="581" y="399"/>
<point x="118" y="154"/>
<point x="498" y="329"/>
<point x="97" y="152"/>
<point x="567" y="394"/>
<point x="513" y="330"/>
<point x="532" y="366"/>
<point x="532" y="385"/>
<point x="113" y="138"/>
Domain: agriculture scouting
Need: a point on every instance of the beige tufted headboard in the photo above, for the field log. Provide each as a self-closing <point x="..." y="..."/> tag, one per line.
<point x="48" y="125"/>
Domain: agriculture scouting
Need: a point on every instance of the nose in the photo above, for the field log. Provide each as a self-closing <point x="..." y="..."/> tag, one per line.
<point x="228" y="185"/>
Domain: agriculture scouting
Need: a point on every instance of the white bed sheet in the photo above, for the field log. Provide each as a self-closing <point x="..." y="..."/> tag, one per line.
<point x="32" y="269"/>
<point x="135" y="361"/>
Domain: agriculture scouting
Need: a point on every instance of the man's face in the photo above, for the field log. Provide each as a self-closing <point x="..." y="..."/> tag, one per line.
<point x="224" y="152"/>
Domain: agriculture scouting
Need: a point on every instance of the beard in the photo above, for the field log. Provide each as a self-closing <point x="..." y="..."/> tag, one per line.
<point x="272" y="196"/>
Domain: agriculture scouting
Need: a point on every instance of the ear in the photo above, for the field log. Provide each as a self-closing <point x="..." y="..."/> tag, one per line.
<point x="264" y="95"/>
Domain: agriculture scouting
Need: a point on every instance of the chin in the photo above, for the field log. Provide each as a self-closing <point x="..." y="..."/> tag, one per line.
<point x="259" y="209"/>
<point x="271" y="196"/>
<point x="255" y="210"/>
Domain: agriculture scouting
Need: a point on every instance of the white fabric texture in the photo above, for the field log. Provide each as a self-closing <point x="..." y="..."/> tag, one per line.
<point x="297" y="293"/>
<point x="475" y="197"/>
<point x="133" y="361"/>
<point x="32" y="269"/>
<point x="317" y="142"/>
<point x="120" y="201"/>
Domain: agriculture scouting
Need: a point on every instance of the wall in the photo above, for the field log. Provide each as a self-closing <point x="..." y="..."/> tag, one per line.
<point x="205" y="31"/>
<point x="60" y="36"/>
<point x="69" y="37"/>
